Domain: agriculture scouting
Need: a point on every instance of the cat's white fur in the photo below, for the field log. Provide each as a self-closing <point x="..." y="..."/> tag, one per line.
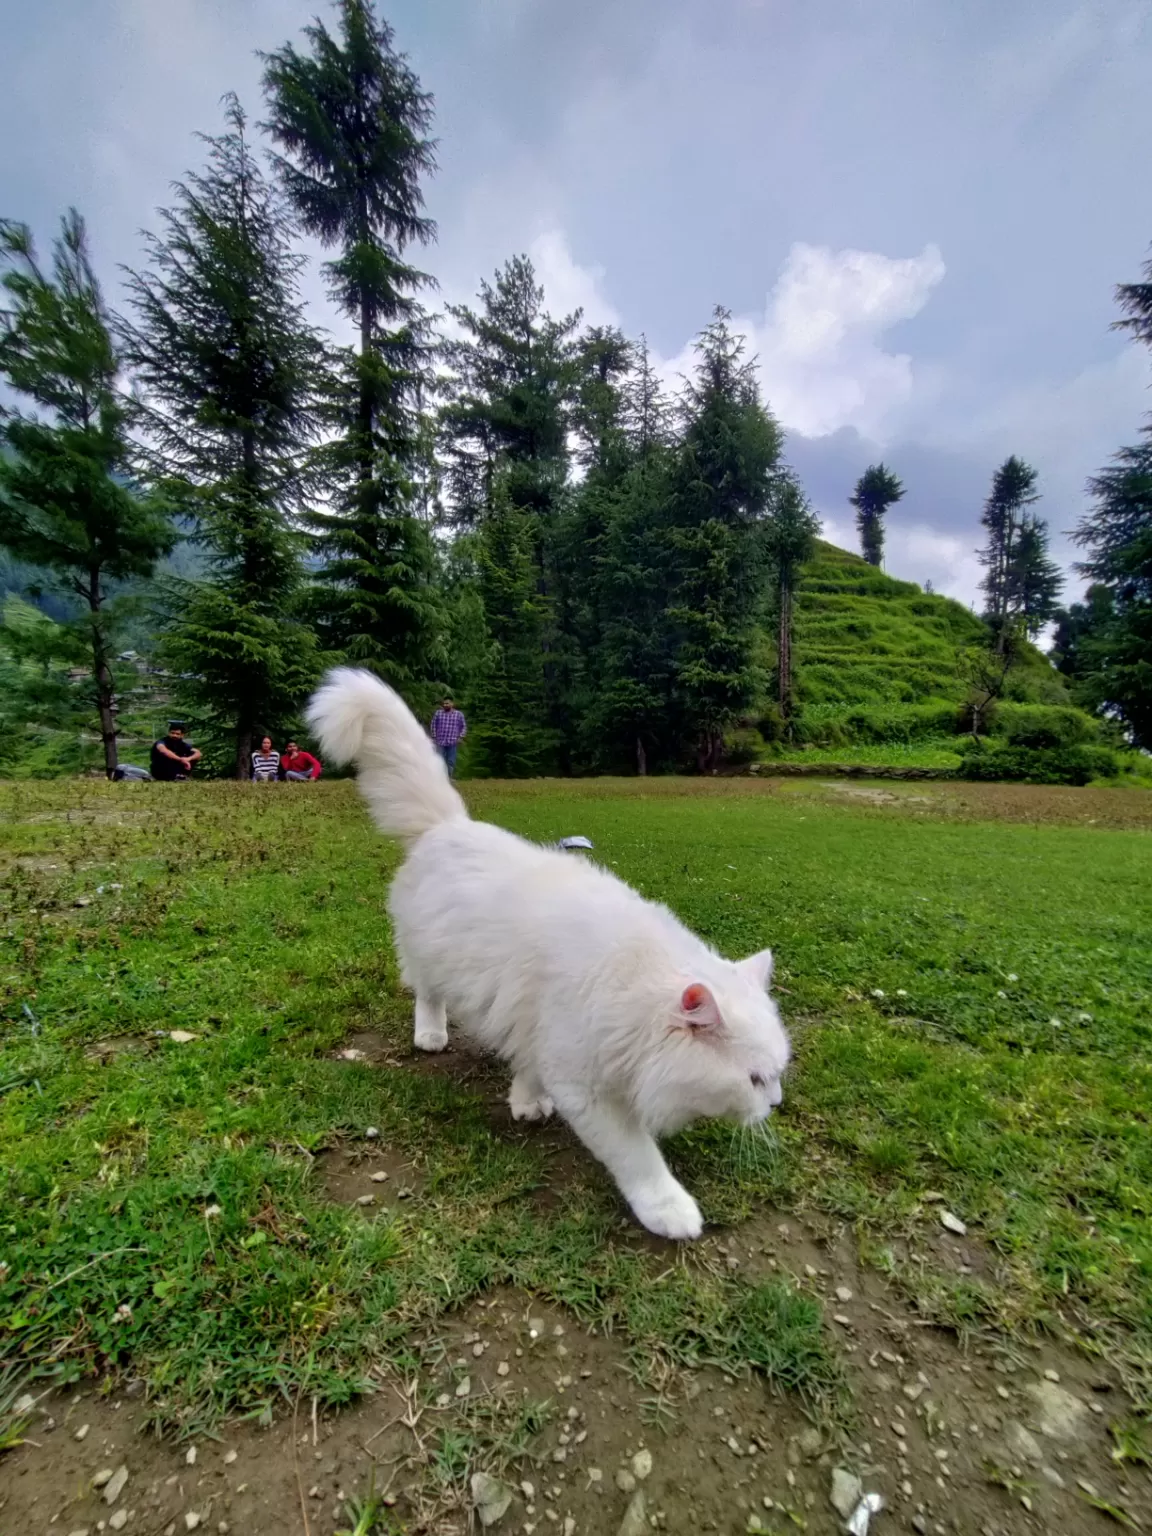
<point x="605" y="1006"/>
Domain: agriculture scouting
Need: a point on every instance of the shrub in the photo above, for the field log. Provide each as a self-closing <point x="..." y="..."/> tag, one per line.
<point x="1038" y="765"/>
<point x="1044" y="727"/>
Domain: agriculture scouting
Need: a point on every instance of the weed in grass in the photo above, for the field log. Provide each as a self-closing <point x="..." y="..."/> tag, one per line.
<point x="1131" y="1443"/>
<point x="13" y="1420"/>
<point x="369" y="1516"/>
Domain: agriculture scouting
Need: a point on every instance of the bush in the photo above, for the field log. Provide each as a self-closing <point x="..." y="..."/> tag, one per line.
<point x="1044" y="727"/>
<point x="877" y="724"/>
<point x="1039" y="765"/>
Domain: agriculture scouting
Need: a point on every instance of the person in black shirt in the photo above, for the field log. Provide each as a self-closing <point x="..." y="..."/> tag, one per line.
<point x="172" y="756"/>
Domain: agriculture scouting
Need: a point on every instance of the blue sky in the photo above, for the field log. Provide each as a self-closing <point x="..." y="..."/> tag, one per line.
<point x="917" y="211"/>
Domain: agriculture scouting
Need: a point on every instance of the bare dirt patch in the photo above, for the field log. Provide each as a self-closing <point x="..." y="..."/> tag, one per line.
<point x="984" y="1441"/>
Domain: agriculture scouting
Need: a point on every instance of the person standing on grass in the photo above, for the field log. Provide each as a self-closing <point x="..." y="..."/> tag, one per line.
<point x="265" y="763"/>
<point x="448" y="730"/>
<point x="297" y="765"/>
<point x="172" y="756"/>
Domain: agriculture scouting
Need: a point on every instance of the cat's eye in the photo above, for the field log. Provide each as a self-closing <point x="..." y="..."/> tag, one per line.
<point x="758" y="1081"/>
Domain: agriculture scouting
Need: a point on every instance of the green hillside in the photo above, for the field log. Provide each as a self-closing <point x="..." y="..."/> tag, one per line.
<point x="879" y="666"/>
<point x="865" y="638"/>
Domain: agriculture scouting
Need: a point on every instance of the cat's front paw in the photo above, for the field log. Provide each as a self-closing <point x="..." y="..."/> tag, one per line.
<point x="669" y="1211"/>
<point x="527" y="1106"/>
<point x="430" y="1039"/>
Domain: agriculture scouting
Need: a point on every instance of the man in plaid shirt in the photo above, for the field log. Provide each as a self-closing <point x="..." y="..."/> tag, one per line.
<point x="448" y="730"/>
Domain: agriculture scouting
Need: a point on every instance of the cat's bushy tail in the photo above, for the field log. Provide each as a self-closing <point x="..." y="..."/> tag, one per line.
<point x="359" y="719"/>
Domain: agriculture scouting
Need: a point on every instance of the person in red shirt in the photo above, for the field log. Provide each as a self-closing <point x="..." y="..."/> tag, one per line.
<point x="298" y="765"/>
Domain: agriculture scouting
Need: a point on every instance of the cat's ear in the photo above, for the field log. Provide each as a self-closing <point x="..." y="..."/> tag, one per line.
<point x="758" y="968"/>
<point x="699" y="1007"/>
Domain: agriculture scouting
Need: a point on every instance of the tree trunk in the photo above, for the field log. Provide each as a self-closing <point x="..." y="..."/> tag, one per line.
<point x="102" y="676"/>
<point x="641" y="758"/>
<point x="784" y="653"/>
<point x="244" y="734"/>
<point x="364" y="453"/>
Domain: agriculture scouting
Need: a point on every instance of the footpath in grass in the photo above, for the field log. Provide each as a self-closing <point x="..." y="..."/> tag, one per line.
<point x="968" y="981"/>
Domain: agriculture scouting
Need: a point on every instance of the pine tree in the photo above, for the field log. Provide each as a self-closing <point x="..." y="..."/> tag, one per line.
<point x="1117" y="535"/>
<point x="721" y="488"/>
<point x="226" y="361"/>
<point x="1034" y="580"/>
<point x="1135" y="299"/>
<point x="1074" y="629"/>
<point x="792" y="530"/>
<point x="876" y="490"/>
<point x="1005" y="514"/>
<point x="633" y="716"/>
<point x="352" y="122"/>
<point x="630" y="714"/>
<point x="504" y="436"/>
<point x="515" y="370"/>
<point x="511" y="734"/>
<point x="67" y="501"/>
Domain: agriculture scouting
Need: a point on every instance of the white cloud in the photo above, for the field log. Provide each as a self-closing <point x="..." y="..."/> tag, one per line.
<point x="568" y="285"/>
<point x="822" y="362"/>
<point x="818" y="343"/>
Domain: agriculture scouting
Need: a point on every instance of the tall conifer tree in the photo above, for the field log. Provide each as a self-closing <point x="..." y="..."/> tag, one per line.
<point x="66" y="499"/>
<point x="722" y="482"/>
<point x="352" y="122"/>
<point x="876" y="490"/>
<point x="226" y="361"/>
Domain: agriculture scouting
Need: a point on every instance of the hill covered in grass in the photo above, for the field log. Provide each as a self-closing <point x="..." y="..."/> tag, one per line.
<point x="880" y="672"/>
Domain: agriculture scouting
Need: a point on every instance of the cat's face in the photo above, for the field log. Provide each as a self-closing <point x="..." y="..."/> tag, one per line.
<point x="723" y="1051"/>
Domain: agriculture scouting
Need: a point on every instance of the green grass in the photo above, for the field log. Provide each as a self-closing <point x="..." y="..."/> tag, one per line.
<point x="934" y="752"/>
<point x="863" y="637"/>
<point x="161" y="1204"/>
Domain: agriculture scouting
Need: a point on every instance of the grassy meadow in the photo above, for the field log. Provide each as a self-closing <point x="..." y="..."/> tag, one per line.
<point x="967" y="975"/>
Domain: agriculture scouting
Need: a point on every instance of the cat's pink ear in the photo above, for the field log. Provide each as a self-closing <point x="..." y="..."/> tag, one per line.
<point x="699" y="1007"/>
<point x="758" y="968"/>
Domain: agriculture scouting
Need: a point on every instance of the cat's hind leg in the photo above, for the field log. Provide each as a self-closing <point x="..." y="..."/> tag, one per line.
<point x="527" y="1099"/>
<point x="431" y="1032"/>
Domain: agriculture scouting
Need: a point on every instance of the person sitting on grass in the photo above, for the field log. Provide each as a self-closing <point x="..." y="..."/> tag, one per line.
<point x="448" y="730"/>
<point x="172" y="756"/>
<point x="265" y="763"/>
<point x="297" y="764"/>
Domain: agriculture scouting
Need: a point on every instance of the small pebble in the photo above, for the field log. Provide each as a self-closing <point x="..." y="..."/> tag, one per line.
<point x="503" y="1368"/>
<point x="464" y="1387"/>
<point x="625" y="1482"/>
<point x="190" y="1458"/>
<point x="229" y="1457"/>
<point x="118" y="1521"/>
<point x="843" y="1293"/>
<point x="641" y="1465"/>
<point x="379" y="1176"/>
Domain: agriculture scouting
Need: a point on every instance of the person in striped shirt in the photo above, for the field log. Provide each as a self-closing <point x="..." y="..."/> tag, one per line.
<point x="265" y="763"/>
<point x="448" y="730"/>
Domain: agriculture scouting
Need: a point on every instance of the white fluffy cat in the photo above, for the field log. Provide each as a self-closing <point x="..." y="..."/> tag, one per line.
<point x="606" y="1008"/>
